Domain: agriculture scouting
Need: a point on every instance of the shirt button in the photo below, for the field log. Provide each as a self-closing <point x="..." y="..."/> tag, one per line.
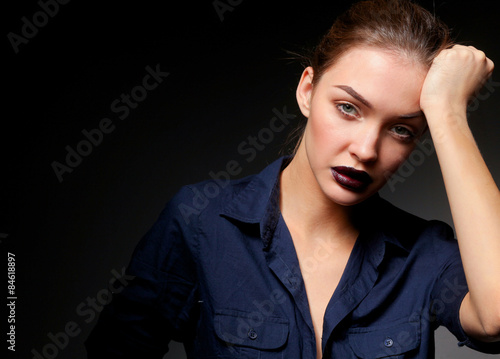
<point x="388" y="342"/>
<point x="252" y="334"/>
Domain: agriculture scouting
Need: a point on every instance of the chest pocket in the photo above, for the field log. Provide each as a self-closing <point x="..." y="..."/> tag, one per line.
<point x="396" y="341"/>
<point x="252" y="333"/>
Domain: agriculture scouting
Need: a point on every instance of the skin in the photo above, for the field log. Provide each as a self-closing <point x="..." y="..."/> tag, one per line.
<point x="474" y="198"/>
<point x="376" y="132"/>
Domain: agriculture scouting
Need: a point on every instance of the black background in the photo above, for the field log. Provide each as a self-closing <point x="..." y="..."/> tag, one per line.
<point x="225" y="78"/>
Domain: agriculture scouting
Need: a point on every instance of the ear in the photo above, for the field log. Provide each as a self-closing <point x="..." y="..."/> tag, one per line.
<point x="304" y="91"/>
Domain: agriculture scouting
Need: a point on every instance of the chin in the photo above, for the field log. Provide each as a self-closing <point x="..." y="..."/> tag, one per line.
<point x="346" y="197"/>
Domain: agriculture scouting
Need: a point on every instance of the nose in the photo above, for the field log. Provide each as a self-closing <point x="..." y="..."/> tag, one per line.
<point x="365" y="143"/>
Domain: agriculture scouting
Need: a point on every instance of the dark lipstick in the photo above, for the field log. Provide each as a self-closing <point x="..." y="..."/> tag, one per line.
<point x="351" y="178"/>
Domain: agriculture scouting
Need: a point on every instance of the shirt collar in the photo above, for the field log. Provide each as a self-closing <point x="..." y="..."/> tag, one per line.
<point x="255" y="200"/>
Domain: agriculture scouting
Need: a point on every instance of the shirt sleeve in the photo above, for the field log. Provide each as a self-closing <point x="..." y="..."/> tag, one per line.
<point x="447" y="296"/>
<point x="159" y="304"/>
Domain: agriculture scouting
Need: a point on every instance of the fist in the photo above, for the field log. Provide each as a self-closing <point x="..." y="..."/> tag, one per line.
<point x="453" y="78"/>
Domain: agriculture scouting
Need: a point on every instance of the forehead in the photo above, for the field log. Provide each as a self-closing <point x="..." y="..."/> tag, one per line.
<point x="377" y="74"/>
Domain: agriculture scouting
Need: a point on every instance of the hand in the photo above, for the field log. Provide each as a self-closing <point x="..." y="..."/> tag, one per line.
<point x="455" y="75"/>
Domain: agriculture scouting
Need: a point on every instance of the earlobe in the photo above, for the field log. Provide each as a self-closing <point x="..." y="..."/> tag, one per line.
<point x="304" y="91"/>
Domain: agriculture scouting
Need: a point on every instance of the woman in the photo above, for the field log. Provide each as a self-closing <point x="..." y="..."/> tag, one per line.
<point x="305" y="260"/>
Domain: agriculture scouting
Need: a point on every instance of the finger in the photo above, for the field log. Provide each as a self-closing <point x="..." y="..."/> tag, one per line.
<point x="491" y="65"/>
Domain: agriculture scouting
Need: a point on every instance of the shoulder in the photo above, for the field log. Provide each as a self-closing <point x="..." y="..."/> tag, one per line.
<point x="244" y="198"/>
<point x="410" y="231"/>
<point x="207" y="196"/>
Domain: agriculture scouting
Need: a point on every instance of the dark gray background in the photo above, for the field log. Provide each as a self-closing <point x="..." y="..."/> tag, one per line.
<point x="225" y="79"/>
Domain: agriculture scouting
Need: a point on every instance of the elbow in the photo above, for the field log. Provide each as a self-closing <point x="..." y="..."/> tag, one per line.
<point x="491" y="328"/>
<point x="491" y="335"/>
<point x="486" y="316"/>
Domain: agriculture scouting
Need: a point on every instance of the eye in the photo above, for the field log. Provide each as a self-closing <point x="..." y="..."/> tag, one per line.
<point x="347" y="109"/>
<point x="403" y="132"/>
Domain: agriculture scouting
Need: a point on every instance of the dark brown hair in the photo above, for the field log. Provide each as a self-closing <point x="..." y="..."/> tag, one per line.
<point x="395" y="25"/>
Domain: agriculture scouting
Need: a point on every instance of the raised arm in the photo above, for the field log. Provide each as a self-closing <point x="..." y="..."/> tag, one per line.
<point x="455" y="75"/>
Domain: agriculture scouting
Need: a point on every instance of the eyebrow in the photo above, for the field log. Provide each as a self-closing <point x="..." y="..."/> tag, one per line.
<point x="356" y="95"/>
<point x="365" y="102"/>
<point x="413" y="115"/>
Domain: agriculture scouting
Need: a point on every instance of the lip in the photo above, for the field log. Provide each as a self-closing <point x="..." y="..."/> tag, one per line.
<point x="351" y="178"/>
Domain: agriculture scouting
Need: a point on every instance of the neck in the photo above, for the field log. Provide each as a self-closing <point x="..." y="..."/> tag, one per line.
<point x="306" y="209"/>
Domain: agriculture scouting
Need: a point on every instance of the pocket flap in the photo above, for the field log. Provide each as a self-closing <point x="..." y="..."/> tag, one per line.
<point x="385" y="342"/>
<point x="252" y="330"/>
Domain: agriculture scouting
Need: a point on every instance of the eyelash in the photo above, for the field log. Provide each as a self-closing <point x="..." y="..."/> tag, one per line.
<point x="406" y="138"/>
<point x="340" y="107"/>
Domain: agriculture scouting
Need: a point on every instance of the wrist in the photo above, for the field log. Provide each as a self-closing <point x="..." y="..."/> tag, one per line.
<point x="445" y="125"/>
<point x="443" y="108"/>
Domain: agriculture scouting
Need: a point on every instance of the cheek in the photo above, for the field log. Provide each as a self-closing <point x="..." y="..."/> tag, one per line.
<point x="326" y="133"/>
<point x="321" y="136"/>
<point x="394" y="156"/>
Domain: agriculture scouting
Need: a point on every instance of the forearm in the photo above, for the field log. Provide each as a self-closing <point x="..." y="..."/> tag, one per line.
<point x="475" y="206"/>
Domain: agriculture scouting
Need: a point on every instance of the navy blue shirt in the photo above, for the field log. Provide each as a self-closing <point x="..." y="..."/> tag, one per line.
<point x="218" y="271"/>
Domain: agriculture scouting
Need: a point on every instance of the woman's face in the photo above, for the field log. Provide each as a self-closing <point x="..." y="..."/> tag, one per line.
<point x="363" y="120"/>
